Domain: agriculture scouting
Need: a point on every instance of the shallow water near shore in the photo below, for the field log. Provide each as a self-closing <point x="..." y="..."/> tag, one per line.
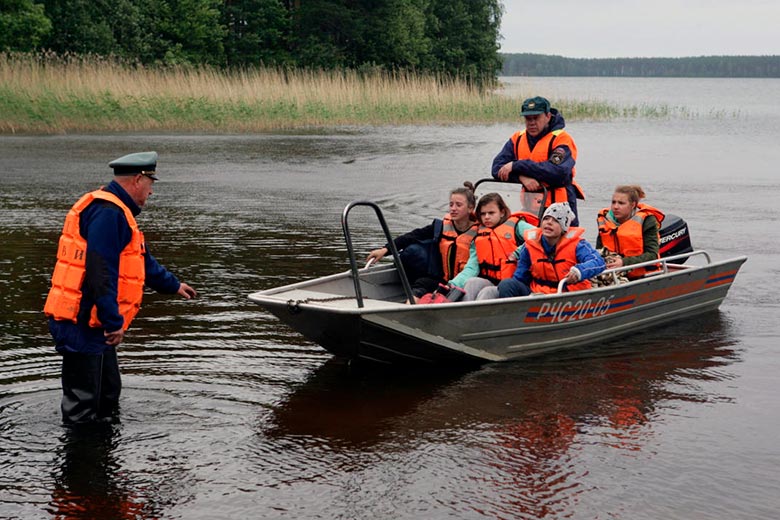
<point x="226" y="413"/>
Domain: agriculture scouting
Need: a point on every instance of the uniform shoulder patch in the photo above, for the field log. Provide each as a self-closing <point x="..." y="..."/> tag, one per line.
<point x="558" y="155"/>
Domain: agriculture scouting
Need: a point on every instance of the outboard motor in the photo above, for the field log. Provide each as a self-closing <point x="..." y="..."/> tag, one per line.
<point x="675" y="237"/>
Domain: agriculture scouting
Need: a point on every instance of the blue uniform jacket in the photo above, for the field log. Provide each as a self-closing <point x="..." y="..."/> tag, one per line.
<point x="107" y="233"/>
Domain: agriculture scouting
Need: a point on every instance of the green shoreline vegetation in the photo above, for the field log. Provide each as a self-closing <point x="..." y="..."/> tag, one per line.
<point x="56" y="95"/>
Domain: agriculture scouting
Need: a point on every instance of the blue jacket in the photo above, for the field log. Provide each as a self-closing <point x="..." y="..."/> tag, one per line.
<point x="552" y="174"/>
<point x="107" y="233"/>
<point x="589" y="262"/>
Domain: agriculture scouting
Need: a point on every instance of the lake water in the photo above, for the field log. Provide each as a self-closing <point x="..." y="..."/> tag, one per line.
<point x="225" y="413"/>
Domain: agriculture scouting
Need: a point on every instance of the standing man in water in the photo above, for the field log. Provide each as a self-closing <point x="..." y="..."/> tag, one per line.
<point x="542" y="155"/>
<point x="97" y="286"/>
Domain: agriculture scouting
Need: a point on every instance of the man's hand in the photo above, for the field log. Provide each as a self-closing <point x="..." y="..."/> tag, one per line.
<point x="186" y="292"/>
<point x="503" y="173"/>
<point x="114" y="338"/>
<point x="530" y="183"/>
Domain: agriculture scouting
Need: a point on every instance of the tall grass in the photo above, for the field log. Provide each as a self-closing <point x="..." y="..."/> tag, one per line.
<point x="40" y="94"/>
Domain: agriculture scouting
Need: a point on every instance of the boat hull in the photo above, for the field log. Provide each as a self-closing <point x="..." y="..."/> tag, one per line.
<point x="386" y="330"/>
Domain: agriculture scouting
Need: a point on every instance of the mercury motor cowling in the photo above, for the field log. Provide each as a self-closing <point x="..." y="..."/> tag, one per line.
<point x="675" y="237"/>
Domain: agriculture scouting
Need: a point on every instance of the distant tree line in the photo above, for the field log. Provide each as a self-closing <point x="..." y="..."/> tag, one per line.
<point x="699" y="67"/>
<point x="456" y="37"/>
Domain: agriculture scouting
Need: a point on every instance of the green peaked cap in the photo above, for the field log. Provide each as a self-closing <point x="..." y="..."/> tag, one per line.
<point x="134" y="163"/>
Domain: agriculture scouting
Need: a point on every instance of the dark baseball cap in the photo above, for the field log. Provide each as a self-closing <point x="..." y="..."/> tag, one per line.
<point x="535" y="105"/>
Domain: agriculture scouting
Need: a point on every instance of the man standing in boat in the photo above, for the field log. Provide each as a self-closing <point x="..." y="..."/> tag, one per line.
<point x="541" y="156"/>
<point x="96" y="289"/>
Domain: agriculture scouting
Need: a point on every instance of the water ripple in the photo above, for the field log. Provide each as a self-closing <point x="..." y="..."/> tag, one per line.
<point x="227" y="413"/>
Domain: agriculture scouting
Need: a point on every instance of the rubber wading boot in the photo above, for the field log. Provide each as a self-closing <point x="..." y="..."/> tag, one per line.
<point x="90" y="387"/>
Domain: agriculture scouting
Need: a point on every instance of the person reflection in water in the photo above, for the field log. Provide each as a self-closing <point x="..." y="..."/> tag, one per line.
<point x="90" y="484"/>
<point x="97" y="286"/>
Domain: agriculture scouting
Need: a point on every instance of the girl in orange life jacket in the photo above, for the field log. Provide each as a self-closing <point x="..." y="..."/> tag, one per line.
<point x="492" y="255"/>
<point x="553" y="253"/>
<point x="458" y="229"/>
<point x="629" y="229"/>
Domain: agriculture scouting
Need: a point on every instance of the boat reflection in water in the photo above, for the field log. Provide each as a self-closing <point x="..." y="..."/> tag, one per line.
<point x="518" y="432"/>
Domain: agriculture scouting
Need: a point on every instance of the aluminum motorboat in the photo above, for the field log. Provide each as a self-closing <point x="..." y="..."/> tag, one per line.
<point x="365" y="314"/>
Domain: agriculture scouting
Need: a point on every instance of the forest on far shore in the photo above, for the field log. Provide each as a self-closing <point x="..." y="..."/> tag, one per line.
<point x="457" y="38"/>
<point x="690" y="67"/>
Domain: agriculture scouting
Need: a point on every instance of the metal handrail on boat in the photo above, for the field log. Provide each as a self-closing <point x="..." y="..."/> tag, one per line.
<point x="663" y="261"/>
<point x="390" y="243"/>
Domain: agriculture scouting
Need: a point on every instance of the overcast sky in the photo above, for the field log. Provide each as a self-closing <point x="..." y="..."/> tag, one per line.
<point x="646" y="28"/>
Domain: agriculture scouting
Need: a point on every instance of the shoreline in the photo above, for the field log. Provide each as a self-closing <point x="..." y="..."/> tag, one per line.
<point x="60" y="97"/>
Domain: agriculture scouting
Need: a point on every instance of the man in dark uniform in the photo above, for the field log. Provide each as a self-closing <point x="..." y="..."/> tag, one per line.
<point x="97" y="286"/>
<point x="541" y="156"/>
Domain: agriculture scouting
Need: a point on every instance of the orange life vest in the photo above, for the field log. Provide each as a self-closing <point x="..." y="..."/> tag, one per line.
<point x="626" y="238"/>
<point x="454" y="247"/>
<point x="541" y="153"/>
<point x="65" y="294"/>
<point x="528" y="217"/>
<point x="494" y="246"/>
<point x="548" y="271"/>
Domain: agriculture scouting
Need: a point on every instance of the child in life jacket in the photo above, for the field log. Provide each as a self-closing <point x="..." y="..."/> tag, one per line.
<point x="628" y="230"/>
<point x="551" y="253"/>
<point x="450" y="241"/>
<point x="492" y="255"/>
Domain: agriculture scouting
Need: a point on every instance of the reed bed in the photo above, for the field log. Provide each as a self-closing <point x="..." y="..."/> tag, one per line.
<point x="63" y="95"/>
